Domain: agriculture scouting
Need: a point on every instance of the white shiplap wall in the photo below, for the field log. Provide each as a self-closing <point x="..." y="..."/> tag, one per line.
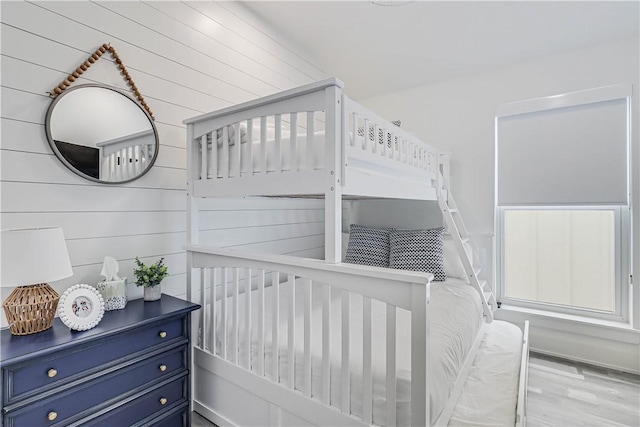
<point x="187" y="58"/>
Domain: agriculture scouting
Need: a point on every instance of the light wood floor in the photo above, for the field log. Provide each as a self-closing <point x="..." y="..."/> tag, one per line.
<point x="566" y="393"/>
<point x="563" y="393"/>
<point x="198" y="420"/>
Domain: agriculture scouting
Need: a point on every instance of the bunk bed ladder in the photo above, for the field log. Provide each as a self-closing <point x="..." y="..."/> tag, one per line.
<point x="460" y="235"/>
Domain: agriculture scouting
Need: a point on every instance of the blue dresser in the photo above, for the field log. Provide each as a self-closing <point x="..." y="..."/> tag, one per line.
<point x="131" y="369"/>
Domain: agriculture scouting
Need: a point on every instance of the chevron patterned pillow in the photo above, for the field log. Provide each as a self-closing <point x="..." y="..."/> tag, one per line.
<point x="418" y="250"/>
<point x="368" y="246"/>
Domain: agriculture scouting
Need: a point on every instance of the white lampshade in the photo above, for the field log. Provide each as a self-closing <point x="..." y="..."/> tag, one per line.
<point x="33" y="256"/>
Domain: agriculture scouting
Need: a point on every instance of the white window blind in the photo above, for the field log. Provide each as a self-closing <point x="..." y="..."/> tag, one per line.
<point x="564" y="150"/>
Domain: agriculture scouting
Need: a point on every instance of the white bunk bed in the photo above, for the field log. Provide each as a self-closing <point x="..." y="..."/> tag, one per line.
<point x="126" y="157"/>
<point x="291" y="341"/>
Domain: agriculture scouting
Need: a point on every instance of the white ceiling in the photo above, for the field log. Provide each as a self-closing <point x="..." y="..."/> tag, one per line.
<point x="378" y="49"/>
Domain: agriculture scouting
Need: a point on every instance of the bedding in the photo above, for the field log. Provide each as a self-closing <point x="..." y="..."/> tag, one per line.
<point x="456" y="318"/>
<point x="496" y="367"/>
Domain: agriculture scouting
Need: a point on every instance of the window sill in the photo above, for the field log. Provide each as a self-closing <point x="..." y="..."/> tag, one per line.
<point x="608" y="329"/>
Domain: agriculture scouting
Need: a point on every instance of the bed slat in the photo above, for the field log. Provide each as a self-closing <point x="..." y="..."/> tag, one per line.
<point x="131" y="165"/>
<point x="263" y="145"/>
<point x="247" y="318"/>
<point x="367" y="379"/>
<point x="391" y="365"/>
<point x="146" y="154"/>
<point x="420" y="336"/>
<point x="138" y="160"/>
<point x="307" y="338"/>
<point x="209" y="274"/>
<point x="212" y="304"/>
<point x="309" y="142"/>
<point x="204" y="157"/>
<point x="387" y="137"/>
<point x="235" y="330"/>
<point x="119" y="165"/>
<point x="237" y="146"/>
<point x="326" y="343"/>
<point x="202" y="322"/>
<point x="346" y="352"/>
<point x="293" y="141"/>
<point x="223" y="315"/>
<point x="365" y="143"/>
<point x="212" y="166"/>
<point x="376" y="140"/>
<point x="249" y="162"/>
<point x="278" y="144"/>
<point x="403" y="151"/>
<point x="261" y="320"/>
<point x="291" y="345"/>
<point x="275" y="337"/>
<point x="354" y="130"/>
<point x="225" y="152"/>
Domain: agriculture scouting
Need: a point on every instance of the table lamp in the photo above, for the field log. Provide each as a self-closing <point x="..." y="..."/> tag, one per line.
<point x="29" y="259"/>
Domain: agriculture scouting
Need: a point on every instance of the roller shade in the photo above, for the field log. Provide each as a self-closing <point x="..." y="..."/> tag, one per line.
<point x="565" y="150"/>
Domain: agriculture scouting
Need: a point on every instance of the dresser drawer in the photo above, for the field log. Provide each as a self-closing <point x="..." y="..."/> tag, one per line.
<point x="88" y="397"/>
<point x="176" y="418"/>
<point x="150" y="409"/>
<point x="39" y="375"/>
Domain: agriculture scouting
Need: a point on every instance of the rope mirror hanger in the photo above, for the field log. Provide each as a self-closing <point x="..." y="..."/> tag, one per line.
<point x="90" y="61"/>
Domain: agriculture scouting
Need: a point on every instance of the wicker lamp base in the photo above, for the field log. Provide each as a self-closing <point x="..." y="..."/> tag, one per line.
<point x="31" y="309"/>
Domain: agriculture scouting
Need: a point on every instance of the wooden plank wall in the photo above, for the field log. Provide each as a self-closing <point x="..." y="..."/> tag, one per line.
<point x="187" y="58"/>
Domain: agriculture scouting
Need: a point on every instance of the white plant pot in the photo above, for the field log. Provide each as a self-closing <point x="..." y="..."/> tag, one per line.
<point x="152" y="293"/>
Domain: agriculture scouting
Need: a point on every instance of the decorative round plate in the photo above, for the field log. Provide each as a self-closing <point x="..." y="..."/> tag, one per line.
<point x="81" y="307"/>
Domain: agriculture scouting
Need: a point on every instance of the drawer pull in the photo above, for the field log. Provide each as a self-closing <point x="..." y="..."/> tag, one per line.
<point x="52" y="415"/>
<point x="163" y="401"/>
<point x="162" y="334"/>
<point x="163" y="368"/>
<point x="52" y="373"/>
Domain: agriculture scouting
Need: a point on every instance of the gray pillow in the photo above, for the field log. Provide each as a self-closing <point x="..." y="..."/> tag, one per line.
<point x="418" y="250"/>
<point x="368" y="246"/>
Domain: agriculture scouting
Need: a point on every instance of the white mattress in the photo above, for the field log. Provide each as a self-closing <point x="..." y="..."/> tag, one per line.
<point x="490" y="391"/>
<point x="456" y="317"/>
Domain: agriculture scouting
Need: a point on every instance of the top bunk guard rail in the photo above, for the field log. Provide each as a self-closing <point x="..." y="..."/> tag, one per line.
<point x="306" y="141"/>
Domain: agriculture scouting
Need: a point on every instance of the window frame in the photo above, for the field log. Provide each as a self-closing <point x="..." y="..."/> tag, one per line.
<point x="624" y="304"/>
<point x="622" y="257"/>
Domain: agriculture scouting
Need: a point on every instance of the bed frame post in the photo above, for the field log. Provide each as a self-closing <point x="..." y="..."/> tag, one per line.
<point x="193" y="211"/>
<point x="333" y="168"/>
<point x="444" y="171"/>
<point x="420" y="339"/>
<point x="192" y="239"/>
<point x="193" y="214"/>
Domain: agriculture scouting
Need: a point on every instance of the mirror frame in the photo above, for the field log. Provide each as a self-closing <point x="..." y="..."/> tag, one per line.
<point x="54" y="147"/>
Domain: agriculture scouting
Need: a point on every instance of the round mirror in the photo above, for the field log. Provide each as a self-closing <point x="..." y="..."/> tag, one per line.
<point x="102" y="134"/>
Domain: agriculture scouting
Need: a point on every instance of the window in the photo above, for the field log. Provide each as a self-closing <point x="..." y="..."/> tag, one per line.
<point x="562" y="196"/>
<point x="568" y="258"/>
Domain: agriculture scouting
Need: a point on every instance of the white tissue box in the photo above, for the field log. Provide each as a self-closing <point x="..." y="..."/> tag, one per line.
<point x="114" y="294"/>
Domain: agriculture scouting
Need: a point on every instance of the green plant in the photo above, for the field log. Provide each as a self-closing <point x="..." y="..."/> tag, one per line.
<point x="149" y="275"/>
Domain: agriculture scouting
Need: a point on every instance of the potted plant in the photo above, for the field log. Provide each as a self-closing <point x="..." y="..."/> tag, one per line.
<point x="150" y="277"/>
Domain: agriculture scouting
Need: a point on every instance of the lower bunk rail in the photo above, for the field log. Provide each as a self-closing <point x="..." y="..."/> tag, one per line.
<point x="285" y="328"/>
